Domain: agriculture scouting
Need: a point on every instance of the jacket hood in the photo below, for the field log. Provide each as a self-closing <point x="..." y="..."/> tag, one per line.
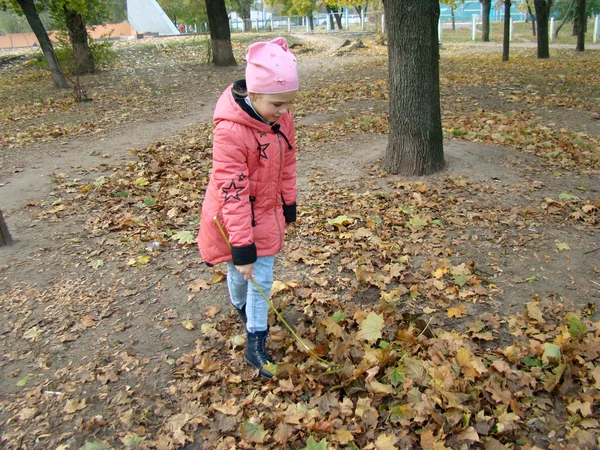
<point x="232" y="107"/>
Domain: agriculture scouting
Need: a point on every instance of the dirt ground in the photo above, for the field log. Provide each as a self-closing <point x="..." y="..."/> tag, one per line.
<point x="118" y="326"/>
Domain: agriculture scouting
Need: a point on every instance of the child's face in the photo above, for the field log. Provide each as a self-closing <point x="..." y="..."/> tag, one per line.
<point x="272" y="106"/>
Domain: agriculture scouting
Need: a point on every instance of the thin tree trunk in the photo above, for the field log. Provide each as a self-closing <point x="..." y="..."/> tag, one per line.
<point x="532" y="18"/>
<point x="506" y="39"/>
<point x="329" y="10"/>
<point x="244" y="12"/>
<point x="485" y="20"/>
<point x="338" y="19"/>
<point x="82" y="54"/>
<point x="33" y="18"/>
<point x="542" y="13"/>
<point x="415" y="145"/>
<point x="564" y="19"/>
<point x="453" y="18"/>
<point x="220" y="34"/>
<point x="5" y="238"/>
<point x="582" y="19"/>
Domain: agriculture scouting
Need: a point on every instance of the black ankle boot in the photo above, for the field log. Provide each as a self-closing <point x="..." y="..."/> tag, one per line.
<point x="242" y="313"/>
<point x="256" y="355"/>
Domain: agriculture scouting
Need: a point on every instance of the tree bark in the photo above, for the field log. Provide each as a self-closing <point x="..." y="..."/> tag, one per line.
<point x="485" y="20"/>
<point x="33" y="18"/>
<point x="506" y="39"/>
<point x="582" y="19"/>
<point x="564" y="20"/>
<point x="5" y="238"/>
<point x="82" y="54"/>
<point x="542" y="14"/>
<point x="415" y="145"/>
<point x="220" y="34"/>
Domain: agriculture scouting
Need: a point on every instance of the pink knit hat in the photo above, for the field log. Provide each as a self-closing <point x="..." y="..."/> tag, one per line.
<point x="271" y="68"/>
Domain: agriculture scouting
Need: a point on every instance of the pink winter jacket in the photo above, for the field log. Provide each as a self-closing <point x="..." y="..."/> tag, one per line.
<point x="252" y="188"/>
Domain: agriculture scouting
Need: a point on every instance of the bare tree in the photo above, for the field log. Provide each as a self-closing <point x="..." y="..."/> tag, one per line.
<point x="564" y="19"/>
<point x="220" y="34"/>
<point x="415" y="145"/>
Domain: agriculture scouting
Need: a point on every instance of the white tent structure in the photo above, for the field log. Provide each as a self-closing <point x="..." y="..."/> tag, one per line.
<point x="146" y="16"/>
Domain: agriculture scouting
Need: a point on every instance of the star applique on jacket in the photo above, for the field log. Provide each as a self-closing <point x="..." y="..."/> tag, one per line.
<point x="232" y="191"/>
<point x="262" y="149"/>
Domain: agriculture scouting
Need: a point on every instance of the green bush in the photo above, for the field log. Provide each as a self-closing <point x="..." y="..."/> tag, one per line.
<point x="102" y="51"/>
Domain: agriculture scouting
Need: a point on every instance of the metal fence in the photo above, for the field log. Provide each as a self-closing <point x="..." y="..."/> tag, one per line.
<point x="371" y="22"/>
<point x="449" y="28"/>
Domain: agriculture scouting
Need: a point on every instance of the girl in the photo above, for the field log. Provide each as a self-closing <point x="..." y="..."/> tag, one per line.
<point x="252" y="188"/>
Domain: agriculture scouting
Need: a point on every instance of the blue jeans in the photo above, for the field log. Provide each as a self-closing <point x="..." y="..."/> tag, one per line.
<point x="244" y="292"/>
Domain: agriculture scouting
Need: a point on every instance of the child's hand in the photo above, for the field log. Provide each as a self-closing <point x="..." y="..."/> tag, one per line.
<point x="247" y="270"/>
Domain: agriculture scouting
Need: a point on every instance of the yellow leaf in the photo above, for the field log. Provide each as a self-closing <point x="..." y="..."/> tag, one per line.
<point x="585" y="408"/>
<point x="380" y="388"/>
<point x="198" y="285"/>
<point x="278" y="286"/>
<point x="343" y="436"/>
<point x="468" y="434"/>
<point x="332" y="327"/>
<point x="217" y="278"/>
<point x="457" y="312"/>
<point x="73" y="406"/>
<point x="188" y="324"/>
<point x="385" y="442"/>
<point x="370" y="328"/>
<point x="463" y="357"/>
<point x="534" y="312"/>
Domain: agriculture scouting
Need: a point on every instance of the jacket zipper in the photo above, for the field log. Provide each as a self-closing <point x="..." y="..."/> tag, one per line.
<point x="252" y="200"/>
<point x="279" y="183"/>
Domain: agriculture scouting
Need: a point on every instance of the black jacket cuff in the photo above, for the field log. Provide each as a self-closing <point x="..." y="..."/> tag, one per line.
<point x="289" y="212"/>
<point x="244" y="255"/>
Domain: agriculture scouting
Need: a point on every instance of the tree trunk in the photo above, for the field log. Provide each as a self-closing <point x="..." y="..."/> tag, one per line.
<point x="415" y="145"/>
<point x="5" y="238"/>
<point x="220" y="34"/>
<point x="453" y="18"/>
<point x="582" y="19"/>
<point x="329" y="10"/>
<point x="335" y="16"/>
<point x="506" y="39"/>
<point x="564" y="19"/>
<point x="542" y="13"/>
<point x="338" y="19"/>
<point x="244" y="12"/>
<point x="82" y="54"/>
<point x="532" y="19"/>
<point x="33" y="18"/>
<point x="485" y="20"/>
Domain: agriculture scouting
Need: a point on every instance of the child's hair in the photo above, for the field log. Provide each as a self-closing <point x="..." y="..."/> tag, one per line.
<point x="271" y="68"/>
